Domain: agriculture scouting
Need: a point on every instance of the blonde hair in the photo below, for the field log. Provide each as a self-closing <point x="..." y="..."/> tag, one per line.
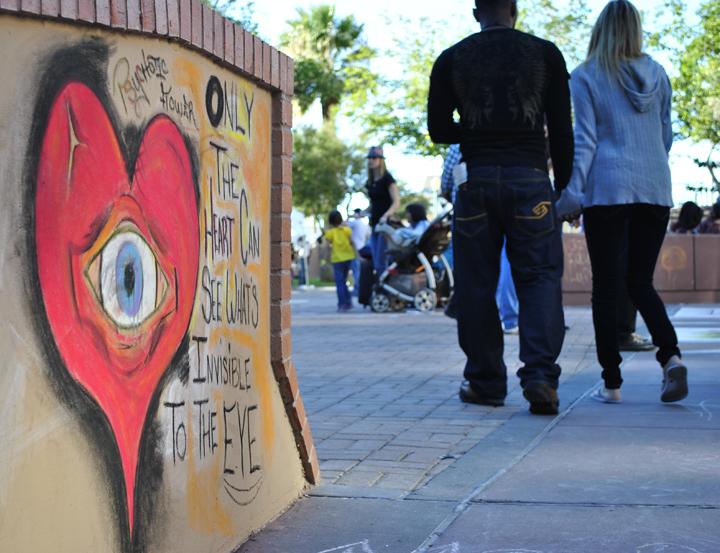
<point x="377" y="174"/>
<point x="616" y="36"/>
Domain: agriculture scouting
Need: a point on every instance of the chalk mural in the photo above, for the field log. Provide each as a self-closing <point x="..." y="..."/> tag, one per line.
<point x="146" y="221"/>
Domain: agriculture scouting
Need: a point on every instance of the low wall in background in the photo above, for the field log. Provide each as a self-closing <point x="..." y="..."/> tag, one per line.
<point x="688" y="269"/>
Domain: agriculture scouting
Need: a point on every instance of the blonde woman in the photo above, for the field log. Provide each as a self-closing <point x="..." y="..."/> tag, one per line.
<point x="621" y="181"/>
<point x="384" y="198"/>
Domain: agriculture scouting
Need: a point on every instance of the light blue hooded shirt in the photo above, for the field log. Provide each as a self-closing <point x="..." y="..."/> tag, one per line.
<point x="623" y="136"/>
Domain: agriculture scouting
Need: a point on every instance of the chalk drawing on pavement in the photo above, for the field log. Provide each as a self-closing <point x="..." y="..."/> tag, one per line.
<point x="666" y="548"/>
<point x="364" y="547"/>
<point x="359" y="547"/>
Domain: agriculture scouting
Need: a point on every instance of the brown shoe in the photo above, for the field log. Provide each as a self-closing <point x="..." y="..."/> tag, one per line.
<point x="468" y="395"/>
<point x="542" y="397"/>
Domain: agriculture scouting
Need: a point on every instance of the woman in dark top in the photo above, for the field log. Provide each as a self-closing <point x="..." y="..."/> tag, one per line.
<point x="384" y="202"/>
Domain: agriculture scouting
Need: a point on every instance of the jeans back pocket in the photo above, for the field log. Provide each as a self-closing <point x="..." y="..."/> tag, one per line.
<point x="470" y="211"/>
<point x="533" y="209"/>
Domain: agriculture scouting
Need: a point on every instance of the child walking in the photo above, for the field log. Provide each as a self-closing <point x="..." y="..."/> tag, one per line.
<point x="342" y="254"/>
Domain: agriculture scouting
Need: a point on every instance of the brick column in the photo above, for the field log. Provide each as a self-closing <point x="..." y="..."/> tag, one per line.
<point x="281" y="71"/>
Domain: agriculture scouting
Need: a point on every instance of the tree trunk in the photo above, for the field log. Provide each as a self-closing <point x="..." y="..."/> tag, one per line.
<point x="329" y="111"/>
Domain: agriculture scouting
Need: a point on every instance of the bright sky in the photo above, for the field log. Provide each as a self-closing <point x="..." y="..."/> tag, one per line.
<point x="377" y="16"/>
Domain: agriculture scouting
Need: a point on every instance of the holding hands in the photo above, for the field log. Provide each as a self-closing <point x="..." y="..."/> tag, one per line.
<point x="569" y="206"/>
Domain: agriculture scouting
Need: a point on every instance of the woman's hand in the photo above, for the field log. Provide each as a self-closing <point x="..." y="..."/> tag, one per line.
<point x="572" y="218"/>
<point x="569" y="205"/>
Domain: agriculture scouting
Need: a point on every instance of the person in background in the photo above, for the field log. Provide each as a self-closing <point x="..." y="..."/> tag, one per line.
<point x="302" y="252"/>
<point x="447" y="180"/>
<point x="447" y="191"/>
<point x="689" y="219"/>
<point x="505" y="85"/>
<point x="384" y="198"/>
<point x="417" y="219"/>
<point x="628" y="338"/>
<point x="342" y="253"/>
<point x="505" y="296"/>
<point x="360" y="236"/>
<point x="621" y="178"/>
<point x="711" y="225"/>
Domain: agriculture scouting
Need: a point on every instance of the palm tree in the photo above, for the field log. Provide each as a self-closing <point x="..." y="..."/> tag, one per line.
<point x="331" y="60"/>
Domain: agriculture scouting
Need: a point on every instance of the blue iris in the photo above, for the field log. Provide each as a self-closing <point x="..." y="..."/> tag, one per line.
<point x="129" y="278"/>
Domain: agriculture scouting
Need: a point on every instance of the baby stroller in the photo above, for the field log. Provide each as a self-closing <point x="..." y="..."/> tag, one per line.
<point x="419" y="275"/>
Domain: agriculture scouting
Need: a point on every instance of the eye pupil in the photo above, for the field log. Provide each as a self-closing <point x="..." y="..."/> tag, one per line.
<point x="129" y="279"/>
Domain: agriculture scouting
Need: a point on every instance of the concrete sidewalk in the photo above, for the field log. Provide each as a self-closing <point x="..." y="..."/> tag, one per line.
<point x="407" y="467"/>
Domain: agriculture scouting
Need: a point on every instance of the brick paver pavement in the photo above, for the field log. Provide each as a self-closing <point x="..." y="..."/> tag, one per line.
<point x="381" y="392"/>
<point x="408" y="468"/>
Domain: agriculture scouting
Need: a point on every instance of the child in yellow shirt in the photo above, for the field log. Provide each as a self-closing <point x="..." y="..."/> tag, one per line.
<point x="342" y="253"/>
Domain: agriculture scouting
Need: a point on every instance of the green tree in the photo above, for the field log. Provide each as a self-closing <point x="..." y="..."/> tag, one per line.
<point x="332" y="60"/>
<point x="239" y="11"/>
<point x="697" y="86"/>
<point x="694" y="43"/>
<point x="408" y="197"/>
<point x="398" y="114"/>
<point x="568" y="26"/>
<point x="324" y="171"/>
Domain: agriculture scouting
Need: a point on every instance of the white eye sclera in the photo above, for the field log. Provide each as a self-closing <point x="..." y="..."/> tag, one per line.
<point x="128" y="279"/>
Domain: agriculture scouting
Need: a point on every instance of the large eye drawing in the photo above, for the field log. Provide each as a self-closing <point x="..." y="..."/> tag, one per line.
<point x="127" y="280"/>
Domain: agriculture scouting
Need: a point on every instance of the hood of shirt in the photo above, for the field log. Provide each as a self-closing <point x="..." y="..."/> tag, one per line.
<point x="641" y="78"/>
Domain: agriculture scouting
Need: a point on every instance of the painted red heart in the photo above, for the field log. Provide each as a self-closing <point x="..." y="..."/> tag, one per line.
<point x="97" y="233"/>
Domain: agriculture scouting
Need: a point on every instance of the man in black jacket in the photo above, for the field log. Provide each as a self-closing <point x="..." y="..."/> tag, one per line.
<point x="506" y="86"/>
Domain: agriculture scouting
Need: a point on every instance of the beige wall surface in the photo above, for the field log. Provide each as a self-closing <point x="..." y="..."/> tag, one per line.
<point x="138" y="407"/>
<point x="687" y="271"/>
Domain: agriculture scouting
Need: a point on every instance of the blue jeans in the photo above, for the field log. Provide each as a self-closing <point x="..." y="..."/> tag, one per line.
<point x="378" y="245"/>
<point x="355" y="267"/>
<point x="341" y="273"/>
<point x="505" y="297"/>
<point x="449" y="256"/>
<point x="516" y="204"/>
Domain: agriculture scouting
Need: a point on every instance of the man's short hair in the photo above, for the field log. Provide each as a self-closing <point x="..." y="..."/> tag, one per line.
<point x="491" y="5"/>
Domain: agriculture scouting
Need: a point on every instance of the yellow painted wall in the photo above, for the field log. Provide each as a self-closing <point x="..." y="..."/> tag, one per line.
<point x="135" y="288"/>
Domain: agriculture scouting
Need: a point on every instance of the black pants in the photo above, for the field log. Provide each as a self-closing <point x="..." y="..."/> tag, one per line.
<point x="626" y="235"/>
<point x="517" y="203"/>
<point x="627" y="314"/>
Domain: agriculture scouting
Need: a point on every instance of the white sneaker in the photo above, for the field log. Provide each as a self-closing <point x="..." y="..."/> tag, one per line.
<point x="675" y="386"/>
<point x="604" y="395"/>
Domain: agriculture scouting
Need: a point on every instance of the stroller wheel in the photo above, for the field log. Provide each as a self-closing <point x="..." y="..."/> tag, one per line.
<point x="397" y="305"/>
<point x="380" y="303"/>
<point x="425" y="300"/>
